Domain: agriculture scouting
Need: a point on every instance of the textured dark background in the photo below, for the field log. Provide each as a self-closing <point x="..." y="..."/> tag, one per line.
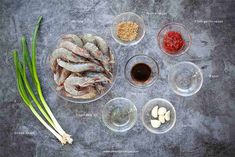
<point x="205" y="124"/>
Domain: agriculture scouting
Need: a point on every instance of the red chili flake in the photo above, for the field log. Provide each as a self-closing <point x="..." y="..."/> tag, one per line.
<point x="173" y="42"/>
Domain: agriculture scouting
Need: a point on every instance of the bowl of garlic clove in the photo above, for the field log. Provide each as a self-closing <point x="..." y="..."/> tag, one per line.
<point x="158" y="116"/>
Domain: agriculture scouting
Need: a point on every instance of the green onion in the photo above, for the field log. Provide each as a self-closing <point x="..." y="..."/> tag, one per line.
<point x="29" y="88"/>
<point x="27" y="57"/>
<point x="23" y="94"/>
<point x="38" y="86"/>
<point x="23" y="84"/>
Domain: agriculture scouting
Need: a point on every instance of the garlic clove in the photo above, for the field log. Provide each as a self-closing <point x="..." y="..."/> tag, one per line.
<point x="161" y="111"/>
<point x="155" y="123"/>
<point x="167" y="115"/>
<point x="161" y="119"/>
<point x="155" y="112"/>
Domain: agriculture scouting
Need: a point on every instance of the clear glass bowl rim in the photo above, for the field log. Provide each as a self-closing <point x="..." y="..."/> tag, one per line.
<point x="155" y="78"/>
<point x="132" y="123"/>
<point x="199" y="71"/>
<point x="145" y="107"/>
<point x="45" y="63"/>
<point x="186" y="30"/>
<point x="128" y="43"/>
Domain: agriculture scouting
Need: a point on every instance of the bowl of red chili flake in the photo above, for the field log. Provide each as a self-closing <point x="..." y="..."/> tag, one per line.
<point x="174" y="39"/>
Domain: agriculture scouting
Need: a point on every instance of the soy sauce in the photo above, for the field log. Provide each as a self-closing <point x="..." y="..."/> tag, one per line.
<point x="141" y="72"/>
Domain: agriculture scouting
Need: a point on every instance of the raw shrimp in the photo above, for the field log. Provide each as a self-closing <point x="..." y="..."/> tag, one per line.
<point x="98" y="77"/>
<point x="74" y="81"/>
<point x="102" y="45"/>
<point x="77" y="74"/>
<point x="56" y="77"/>
<point x="95" y="62"/>
<point x="64" y="74"/>
<point x="94" y="51"/>
<point x="97" y="54"/>
<point x="73" y="38"/>
<point x="57" y="74"/>
<point x="74" y="48"/>
<point x="91" y="94"/>
<point x="88" y="38"/>
<point x="77" y="91"/>
<point x="80" y="67"/>
<point x="59" y="88"/>
<point x="111" y="57"/>
<point x="66" y="55"/>
<point x="100" y="88"/>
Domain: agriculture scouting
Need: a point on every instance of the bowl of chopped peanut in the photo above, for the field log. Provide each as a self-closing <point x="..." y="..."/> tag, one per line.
<point x="128" y="29"/>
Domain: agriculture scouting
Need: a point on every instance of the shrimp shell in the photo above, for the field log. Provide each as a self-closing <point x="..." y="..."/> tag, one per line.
<point x="80" y="67"/>
<point x="88" y="38"/>
<point x="72" y="89"/>
<point x="66" y="55"/>
<point x="97" y="54"/>
<point x="78" y="81"/>
<point x="72" y="82"/>
<point x="77" y="92"/>
<point x="95" y="62"/>
<point x="64" y="74"/>
<point x="77" y="86"/>
<point x="91" y="94"/>
<point x="111" y="57"/>
<point x="74" y="48"/>
<point x="98" y="76"/>
<point x="100" y="88"/>
<point x="73" y="38"/>
<point x="102" y="45"/>
<point x="77" y="74"/>
<point x="59" y="88"/>
<point x="57" y="74"/>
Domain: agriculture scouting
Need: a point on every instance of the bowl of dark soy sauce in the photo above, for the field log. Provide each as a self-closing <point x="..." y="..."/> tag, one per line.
<point x="141" y="70"/>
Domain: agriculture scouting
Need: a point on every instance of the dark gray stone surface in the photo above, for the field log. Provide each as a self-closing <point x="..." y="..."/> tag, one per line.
<point x="205" y="121"/>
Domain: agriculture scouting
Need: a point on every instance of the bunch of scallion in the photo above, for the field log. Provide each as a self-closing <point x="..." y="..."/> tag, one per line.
<point x="26" y="89"/>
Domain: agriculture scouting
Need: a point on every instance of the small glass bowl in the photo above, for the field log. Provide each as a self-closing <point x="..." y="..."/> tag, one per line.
<point x="185" y="78"/>
<point x="141" y="58"/>
<point x="177" y="28"/>
<point x="48" y="74"/>
<point x="128" y="16"/>
<point x="119" y="114"/>
<point x="147" y="116"/>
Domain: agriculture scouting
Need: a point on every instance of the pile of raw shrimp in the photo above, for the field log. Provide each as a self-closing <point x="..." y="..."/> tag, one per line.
<point x="82" y="66"/>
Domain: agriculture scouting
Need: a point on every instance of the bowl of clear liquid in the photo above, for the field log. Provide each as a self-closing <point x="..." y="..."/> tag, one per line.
<point x="185" y="78"/>
<point x="119" y="114"/>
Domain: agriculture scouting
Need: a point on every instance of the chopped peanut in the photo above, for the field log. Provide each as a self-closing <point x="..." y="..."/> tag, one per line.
<point x="127" y="31"/>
